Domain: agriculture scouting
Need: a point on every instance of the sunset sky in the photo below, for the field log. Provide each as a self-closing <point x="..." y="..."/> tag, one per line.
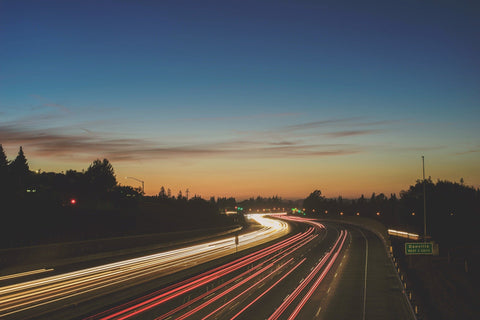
<point x="245" y="98"/>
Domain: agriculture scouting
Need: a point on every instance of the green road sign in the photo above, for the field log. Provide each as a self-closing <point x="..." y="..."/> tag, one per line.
<point x="418" y="248"/>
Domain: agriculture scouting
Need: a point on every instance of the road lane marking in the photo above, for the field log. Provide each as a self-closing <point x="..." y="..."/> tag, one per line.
<point x="366" y="269"/>
<point x="23" y="274"/>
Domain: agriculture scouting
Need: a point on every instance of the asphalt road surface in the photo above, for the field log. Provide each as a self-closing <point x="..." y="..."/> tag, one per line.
<point x="324" y="270"/>
<point x="328" y="271"/>
<point x="52" y="294"/>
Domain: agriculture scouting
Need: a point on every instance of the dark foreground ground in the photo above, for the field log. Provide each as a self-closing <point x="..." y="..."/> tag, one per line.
<point x="444" y="286"/>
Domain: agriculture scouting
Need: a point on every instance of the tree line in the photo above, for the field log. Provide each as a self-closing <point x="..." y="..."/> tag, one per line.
<point x="40" y="207"/>
<point x="48" y="206"/>
<point x="94" y="188"/>
<point x="452" y="209"/>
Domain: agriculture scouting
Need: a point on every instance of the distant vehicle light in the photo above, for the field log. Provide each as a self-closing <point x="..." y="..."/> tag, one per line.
<point x="403" y="234"/>
<point x="73" y="201"/>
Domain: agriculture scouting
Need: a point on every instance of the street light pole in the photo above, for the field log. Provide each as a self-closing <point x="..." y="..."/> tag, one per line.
<point x="143" y="183"/>
<point x="424" y="202"/>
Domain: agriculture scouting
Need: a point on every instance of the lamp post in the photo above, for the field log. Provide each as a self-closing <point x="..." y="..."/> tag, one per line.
<point x="424" y="202"/>
<point x="143" y="183"/>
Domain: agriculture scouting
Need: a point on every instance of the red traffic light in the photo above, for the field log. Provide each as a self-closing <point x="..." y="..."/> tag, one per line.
<point x="73" y="201"/>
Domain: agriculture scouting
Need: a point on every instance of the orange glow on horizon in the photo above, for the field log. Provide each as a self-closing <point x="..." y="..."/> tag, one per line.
<point x="245" y="178"/>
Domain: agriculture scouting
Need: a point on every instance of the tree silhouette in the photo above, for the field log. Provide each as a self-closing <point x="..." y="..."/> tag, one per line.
<point x="452" y="209"/>
<point x="4" y="176"/>
<point x="162" y="194"/>
<point x="3" y="165"/>
<point x="100" y="176"/>
<point x="19" y="171"/>
<point x="3" y="160"/>
<point x="19" y="166"/>
<point x="314" y="202"/>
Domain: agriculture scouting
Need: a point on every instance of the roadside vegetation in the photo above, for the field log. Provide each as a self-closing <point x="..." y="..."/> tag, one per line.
<point x="42" y="207"/>
<point x="48" y="207"/>
<point x="452" y="209"/>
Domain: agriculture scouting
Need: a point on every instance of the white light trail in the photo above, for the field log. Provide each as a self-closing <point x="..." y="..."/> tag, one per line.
<point x="27" y="295"/>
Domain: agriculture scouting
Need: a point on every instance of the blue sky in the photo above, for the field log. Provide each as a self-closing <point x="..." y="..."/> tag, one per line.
<point x="314" y="93"/>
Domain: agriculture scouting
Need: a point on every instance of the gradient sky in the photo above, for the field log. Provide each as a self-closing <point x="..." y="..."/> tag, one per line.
<point x="245" y="98"/>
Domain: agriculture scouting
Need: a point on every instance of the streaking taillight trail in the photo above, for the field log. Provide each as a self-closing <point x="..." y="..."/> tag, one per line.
<point x="237" y="282"/>
<point x="146" y="303"/>
<point x="190" y="284"/>
<point x="328" y="259"/>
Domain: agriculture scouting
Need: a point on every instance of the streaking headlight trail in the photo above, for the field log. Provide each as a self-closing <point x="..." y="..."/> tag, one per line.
<point x="78" y="285"/>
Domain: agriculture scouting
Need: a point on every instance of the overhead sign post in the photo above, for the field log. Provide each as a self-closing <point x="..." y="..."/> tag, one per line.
<point x="236" y="242"/>
<point x="419" y="248"/>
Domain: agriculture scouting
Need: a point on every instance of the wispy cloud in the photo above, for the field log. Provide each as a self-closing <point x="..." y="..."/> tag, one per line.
<point x="350" y="133"/>
<point x="88" y="145"/>
<point x="322" y="129"/>
<point x="353" y="122"/>
<point x="81" y="142"/>
<point x="41" y="113"/>
<point x="468" y="152"/>
<point x="46" y="103"/>
<point x="247" y="117"/>
<point x="318" y="124"/>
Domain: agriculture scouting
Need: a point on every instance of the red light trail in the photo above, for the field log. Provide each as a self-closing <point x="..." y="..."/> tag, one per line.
<point x="239" y="281"/>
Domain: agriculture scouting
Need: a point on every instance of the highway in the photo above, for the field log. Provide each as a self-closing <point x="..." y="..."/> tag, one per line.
<point x="324" y="270"/>
<point x="44" y="295"/>
<point x="239" y="283"/>
<point x="327" y="271"/>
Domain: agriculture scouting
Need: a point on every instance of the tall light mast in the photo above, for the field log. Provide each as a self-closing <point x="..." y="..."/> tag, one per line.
<point x="424" y="202"/>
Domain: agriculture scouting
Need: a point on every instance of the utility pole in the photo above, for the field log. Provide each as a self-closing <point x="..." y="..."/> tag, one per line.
<point x="424" y="202"/>
<point x="187" y="191"/>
